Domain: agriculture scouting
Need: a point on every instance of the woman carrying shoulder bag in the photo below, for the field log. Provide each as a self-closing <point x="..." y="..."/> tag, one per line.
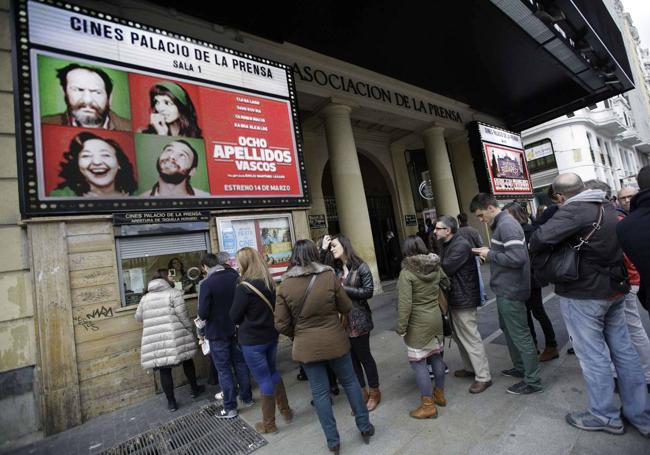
<point x="356" y="279"/>
<point x="419" y="321"/>
<point x="167" y="337"/>
<point x="252" y="310"/>
<point x="309" y="302"/>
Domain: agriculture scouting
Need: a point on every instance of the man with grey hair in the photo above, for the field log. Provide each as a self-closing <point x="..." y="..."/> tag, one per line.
<point x="593" y="307"/>
<point x="459" y="264"/>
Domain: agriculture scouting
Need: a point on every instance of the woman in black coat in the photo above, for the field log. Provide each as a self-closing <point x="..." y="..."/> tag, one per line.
<point x="357" y="281"/>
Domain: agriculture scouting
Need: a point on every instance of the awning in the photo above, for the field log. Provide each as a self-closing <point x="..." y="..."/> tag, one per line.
<point x="524" y="61"/>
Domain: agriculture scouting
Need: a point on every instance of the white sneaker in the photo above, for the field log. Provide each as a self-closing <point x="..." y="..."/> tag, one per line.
<point x="219" y="396"/>
<point x="223" y="414"/>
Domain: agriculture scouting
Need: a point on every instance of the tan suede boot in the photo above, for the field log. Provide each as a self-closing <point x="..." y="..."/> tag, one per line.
<point x="549" y="353"/>
<point x="267" y="425"/>
<point x="283" y="402"/>
<point x="427" y="409"/>
<point x="439" y="397"/>
<point x="374" y="397"/>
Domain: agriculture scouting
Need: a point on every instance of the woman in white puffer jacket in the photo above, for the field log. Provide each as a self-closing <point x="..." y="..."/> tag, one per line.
<point x="167" y="336"/>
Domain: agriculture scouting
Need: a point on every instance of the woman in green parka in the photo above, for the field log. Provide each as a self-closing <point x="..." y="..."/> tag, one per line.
<point x="419" y="321"/>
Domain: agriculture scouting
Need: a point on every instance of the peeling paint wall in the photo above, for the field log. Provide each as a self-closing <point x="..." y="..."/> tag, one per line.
<point x="18" y="404"/>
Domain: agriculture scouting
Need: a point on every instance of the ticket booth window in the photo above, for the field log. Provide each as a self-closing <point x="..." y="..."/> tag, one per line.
<point x="140" y="257"/>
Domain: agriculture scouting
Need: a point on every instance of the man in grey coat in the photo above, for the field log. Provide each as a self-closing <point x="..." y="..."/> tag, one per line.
<point x="593" y="308"/>
<point x="510" y="281"/>
<point x="459" y="264"/>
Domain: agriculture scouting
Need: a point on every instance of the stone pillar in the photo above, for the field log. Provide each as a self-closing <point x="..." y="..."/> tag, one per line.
<point x="405" y="195"/>
<point x="351" y="206"/>
<point x="442" y="179"/>
<point x="314" y="165"/>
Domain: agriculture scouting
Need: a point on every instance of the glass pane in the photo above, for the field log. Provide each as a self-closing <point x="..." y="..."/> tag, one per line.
<point x="183" y="269"/>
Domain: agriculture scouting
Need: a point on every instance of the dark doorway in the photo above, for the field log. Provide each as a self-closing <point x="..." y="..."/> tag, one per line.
<point x="380" y="210"/>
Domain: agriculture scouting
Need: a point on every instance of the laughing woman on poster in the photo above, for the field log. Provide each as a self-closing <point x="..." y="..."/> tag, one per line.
<point x="172" y="112"/>
<point x="95" y="167"/>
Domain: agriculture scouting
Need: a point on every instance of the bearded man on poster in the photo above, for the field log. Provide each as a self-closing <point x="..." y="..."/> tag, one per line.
<point x="87" y="94"/>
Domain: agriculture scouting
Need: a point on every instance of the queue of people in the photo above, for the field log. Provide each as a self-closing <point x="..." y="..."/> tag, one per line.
<point x="321" y="304"/>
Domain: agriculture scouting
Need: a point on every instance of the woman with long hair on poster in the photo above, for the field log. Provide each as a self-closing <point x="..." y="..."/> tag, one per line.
<point x="95" y="167"/>
<point x="253" y="311"/>
<point x="172" y="112"/>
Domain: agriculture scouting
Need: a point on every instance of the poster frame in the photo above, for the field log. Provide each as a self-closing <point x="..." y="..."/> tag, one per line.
<point x="33" y="205"/>
<point x="219" y="220"/>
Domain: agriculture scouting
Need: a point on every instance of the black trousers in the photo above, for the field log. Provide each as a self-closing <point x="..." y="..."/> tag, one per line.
<point x="363" y="361"/>
<point x="535" y="307"/>
<point x="167" y="382"/>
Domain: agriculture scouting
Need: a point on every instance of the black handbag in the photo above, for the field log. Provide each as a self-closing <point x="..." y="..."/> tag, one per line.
<point x="561" y="264"/>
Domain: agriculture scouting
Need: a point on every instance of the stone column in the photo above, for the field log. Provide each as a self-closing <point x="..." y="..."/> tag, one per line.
<point x="442" y="179"/>
<point x="405" y="195"/>
<point x="314" y="165"/>
<point x="351" y="206"/>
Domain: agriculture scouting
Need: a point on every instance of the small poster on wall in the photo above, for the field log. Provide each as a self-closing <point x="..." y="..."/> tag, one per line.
<point x="271" y="235"/>
<point x="503" y="170"/>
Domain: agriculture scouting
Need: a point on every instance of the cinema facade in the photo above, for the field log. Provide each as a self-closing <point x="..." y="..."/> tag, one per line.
<point x="285" y="143"/>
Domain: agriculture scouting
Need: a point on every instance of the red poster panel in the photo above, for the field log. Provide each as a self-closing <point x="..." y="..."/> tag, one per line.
<point x="508" y="170"/>
<point x="250" y="147"/>
<point x="109" y="166"/>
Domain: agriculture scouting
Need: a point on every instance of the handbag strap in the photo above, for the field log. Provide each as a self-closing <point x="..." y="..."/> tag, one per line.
<point x="596" y="227"/>
<point x="304" y="297"/>
<point x="259" y="294"/>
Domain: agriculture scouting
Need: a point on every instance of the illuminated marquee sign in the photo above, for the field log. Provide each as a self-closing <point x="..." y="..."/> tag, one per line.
<point x="116" y="116"/>
<point x="504" y="171"/>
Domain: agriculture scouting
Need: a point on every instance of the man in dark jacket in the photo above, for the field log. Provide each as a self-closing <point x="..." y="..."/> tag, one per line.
<point x="634" y="234"/>
<point x="473" y="236"/>
<point x="459" y="264"/>
<point x="216" y="294"/>
<point x="593" y="310"/>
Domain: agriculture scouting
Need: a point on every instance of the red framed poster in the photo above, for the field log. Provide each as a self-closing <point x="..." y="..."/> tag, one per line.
<point x="508" y="170"/>
<point x="137" y="118"/>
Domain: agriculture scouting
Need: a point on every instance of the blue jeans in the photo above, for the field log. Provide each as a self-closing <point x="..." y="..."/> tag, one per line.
<point x="260" y="359"/>
<point x="599" y="332"/>
<point x="320" y="390"/>
<point x="227" y="355"/>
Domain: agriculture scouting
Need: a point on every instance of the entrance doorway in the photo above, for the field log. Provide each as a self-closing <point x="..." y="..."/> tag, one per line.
<point x="380" y="210"/>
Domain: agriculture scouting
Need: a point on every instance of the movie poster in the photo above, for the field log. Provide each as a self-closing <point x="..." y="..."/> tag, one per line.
<point x="508" y="171"/>
<point x="271" y="235"/>
<point x="159" y="119"/>
<point x="504" y="170"/>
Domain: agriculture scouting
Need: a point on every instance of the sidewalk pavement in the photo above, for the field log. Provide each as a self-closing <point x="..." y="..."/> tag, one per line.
<point x="493" y="422"/>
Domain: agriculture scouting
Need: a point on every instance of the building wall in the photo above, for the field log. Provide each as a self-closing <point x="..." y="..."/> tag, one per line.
<point x="18" y="353"/>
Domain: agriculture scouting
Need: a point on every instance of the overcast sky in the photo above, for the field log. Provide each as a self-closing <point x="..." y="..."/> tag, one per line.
<point x="640" y="12"/>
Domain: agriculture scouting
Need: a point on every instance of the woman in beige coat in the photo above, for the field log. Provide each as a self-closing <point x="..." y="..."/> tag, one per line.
<point x="307" y="308"/>
<point x="419" y="321"/>
<point x="167" y="336"/>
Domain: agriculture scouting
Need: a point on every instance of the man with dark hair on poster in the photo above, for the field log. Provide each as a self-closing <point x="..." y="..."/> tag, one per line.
<point x="176" y="165"/>
<point x="87" y="93"/>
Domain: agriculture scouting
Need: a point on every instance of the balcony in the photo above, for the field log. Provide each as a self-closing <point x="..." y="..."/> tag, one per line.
<point x="629" y="138"/>
<point x="607" y="122"/>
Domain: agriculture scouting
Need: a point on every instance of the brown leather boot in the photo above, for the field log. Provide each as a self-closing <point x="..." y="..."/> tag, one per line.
<point x="549" y="353"/>
<point x="267" y="425"/>
<point x="374" y="397"/>
<point x="439" y="397"/>
<point x="364" y="393"/>
<point x="283" y="402"/>
<point x="427" y="409"/>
